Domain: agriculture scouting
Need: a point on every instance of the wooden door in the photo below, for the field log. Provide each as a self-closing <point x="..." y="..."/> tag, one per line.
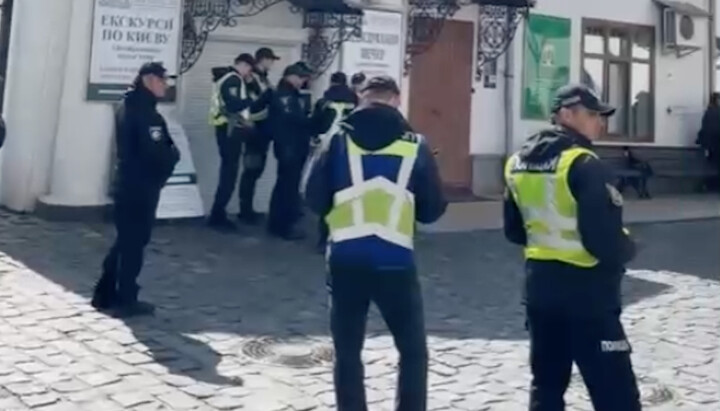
<point x="440" y="99"/>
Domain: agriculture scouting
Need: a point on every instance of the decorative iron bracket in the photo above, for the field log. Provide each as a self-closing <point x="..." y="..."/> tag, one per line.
<point x="328" y="31"/>
<point x="202" y="17"/>
<point x="498" y="21"/>
<point x="425" y="20"/>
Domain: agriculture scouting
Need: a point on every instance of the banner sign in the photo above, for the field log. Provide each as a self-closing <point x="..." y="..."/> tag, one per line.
<point x="126" y="34"/>
<point x="180" y="198"/>
<point x="379" y="51"/>
<point x="546" y="64"/>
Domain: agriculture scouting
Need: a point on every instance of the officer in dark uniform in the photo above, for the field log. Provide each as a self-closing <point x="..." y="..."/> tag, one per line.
<point x="338" y="101"/>
<point x="292" y="129"/>
<point x="357" y="81"/>
<point x="234" y="94"/>
<point x="376" y="179"/>
<point x="256" y="146"/>
<point x="562" y="206"/>
<point x="146" y="157"/>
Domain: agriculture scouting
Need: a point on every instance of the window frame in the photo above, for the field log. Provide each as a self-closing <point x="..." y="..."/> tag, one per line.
<point x="606" y="26"/>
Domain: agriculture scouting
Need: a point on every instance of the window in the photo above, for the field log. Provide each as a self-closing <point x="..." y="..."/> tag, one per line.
<point x="618" y="62"/>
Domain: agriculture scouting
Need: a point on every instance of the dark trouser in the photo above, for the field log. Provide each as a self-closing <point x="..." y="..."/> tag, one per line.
<point x="323" y="231"/>
<point x="254" y="159"/>
<point x="230" y="147"/>
<point x="134" y="218"/>
<point x="397" y="294"/>
<point x="601" y="351"/>
<point x="285" y="202"/>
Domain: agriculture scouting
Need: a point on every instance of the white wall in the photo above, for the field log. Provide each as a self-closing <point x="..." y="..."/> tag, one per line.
<point x="680" y="83"/>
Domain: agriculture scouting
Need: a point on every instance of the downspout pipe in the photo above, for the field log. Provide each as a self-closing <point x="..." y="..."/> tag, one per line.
<point x="712" y="49"/>
<point x="508" y="87"/>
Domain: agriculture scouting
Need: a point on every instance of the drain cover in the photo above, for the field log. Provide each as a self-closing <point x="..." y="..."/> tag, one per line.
<point x="652" y="391"/>
<point x="295" y="352"/>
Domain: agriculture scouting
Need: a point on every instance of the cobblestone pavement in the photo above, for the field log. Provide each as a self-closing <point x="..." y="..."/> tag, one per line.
<point x="245" y="307"/>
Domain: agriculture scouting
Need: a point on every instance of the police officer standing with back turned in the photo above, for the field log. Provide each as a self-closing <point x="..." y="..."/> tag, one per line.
<point x="230" y="114"/>
<point x="292" y="129"/>
<point x="562" y="206"/>
<point x="146" y="157"/>
<point x="376" y="179"/>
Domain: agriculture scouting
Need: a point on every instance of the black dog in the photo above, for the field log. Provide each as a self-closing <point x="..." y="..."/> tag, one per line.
<point x="638" y="182"/>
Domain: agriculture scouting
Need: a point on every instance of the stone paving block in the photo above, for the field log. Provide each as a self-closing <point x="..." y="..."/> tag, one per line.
<point x="69" y="386"/>
<point x="131" y="399"/>
<point x="226" y="402"/>
<point x="200" y="390"/>
<point x="135" y="358"/>
<point x="179" y="400"/>
<point x="101" y="405"/>
<point x="59" y="406"/>
<point x="38" y="400"/>
<point x="99" y="379"/>
<point x="26" y="388"/>
<point x="31" y="367"/>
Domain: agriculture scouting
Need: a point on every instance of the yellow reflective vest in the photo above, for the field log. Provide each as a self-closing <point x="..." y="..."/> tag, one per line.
<point x="549" y="210"/>
<point x="381" y="206"/>
<point x="218" y="115"/>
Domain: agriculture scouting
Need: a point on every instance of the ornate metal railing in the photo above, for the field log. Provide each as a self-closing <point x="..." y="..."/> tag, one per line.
<point x="328" y="31"/>
<point x="497" y="25"/>
<point x="202" y="17"/>
<point x="425" y="19"/>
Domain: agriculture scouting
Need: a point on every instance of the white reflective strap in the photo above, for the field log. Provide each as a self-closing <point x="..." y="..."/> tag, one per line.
<point x="401" y="196"/>
<point x="357" y="179"/>
<point x="379" y="182"/>
<point x="370" y="229"/>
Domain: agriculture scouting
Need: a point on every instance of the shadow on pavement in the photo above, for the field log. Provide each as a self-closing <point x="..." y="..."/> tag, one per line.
<point x="211" y="287"/>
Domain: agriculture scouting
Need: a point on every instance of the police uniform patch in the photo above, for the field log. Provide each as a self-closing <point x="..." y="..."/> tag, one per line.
<point x="155" y="133"/>
<point x="615" y="195"/>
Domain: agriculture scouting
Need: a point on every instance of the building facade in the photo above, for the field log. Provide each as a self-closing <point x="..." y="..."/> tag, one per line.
<point x="59" y="147"/>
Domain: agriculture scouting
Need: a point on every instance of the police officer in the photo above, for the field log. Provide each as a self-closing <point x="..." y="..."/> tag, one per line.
<point x="146" y="157"/>
<point x="256" y="146"/>
<point x="561" y="205"/>
<point x="375" y="180"/>
<point x="292" y="129"/>
<point x="338" y="101"/>
<point x="230" y="114"/>
<point x="357" y="81"/>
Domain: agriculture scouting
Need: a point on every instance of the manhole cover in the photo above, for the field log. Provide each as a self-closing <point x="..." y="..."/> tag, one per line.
<point x="295" y="352"/>
<point x="652" y="391"/>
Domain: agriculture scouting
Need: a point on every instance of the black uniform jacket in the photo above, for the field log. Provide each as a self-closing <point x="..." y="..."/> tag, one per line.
<point x="146" y="154"/>
<point x="557" y="285"/>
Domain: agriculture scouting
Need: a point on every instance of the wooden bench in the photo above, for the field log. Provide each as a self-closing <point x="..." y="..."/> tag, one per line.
<point x="677" y="163"/>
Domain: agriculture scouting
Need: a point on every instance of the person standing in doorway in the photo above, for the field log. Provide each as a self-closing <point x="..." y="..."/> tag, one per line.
<point x="230" y="114"/>
<point x="562" y="207"/>
<point x="376" y="179"/>
<point x="146" y="157"/>
<point x="292" y="129"/>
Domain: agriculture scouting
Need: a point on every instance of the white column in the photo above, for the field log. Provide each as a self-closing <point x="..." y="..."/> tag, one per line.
<point x="83" y="145"/>
<point x="36" y="64"/>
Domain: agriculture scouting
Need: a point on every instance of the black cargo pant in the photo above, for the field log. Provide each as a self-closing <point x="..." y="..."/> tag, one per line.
<point x="599" y="347"/>
<point x="134" y="216"/>
<point x="285" y="202"/>
<point x="231" y="149"/>
<point x="255" y="152"/>
<point x="397" y="295"/>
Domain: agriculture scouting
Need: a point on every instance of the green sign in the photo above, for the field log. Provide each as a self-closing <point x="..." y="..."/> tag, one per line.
<point x="546" y="64"/>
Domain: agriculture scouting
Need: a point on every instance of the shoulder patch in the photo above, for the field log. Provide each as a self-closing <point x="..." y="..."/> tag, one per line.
<point x="615" y="196"/>
<point x="155" y="133"/>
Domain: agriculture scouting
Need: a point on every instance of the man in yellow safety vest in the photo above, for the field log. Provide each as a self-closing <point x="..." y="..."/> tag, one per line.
<point x="230" y="114"/>
<point x="562" y="206"/>
<point x="375" y="180"/>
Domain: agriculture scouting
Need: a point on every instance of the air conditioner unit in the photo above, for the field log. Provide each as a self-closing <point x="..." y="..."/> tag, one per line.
<point x="680" y="31"/>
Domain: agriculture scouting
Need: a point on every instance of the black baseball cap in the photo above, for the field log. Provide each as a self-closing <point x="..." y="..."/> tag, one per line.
<point x="297" y="69"/>
<point x="357" y="78"/>
<point x="265" y="53"/>
<point x="245" y="58"/>
<point x="155" y="68"/>
<point x="580" y="95"/>
<point x="383" y="84"/>
<point x="338" y="78"/>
